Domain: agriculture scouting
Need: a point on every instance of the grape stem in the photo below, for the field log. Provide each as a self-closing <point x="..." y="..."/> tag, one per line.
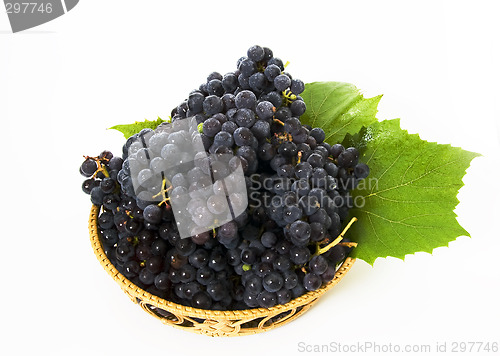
<point x="279" y="122"/>
<point x="299" y="155"/>
<point x="289" y="96"/>
<point x="100" y="166"/>
<point x="349" y="244"/>
<point x="163" y="192"/>
<point x="322" y="250"/>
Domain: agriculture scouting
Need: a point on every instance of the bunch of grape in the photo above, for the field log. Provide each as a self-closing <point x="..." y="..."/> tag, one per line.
<point x="271" y="247"/>
<point x="170" y="166"/>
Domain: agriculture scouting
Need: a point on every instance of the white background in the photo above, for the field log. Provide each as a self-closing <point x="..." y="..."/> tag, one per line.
<point x="108" y="62"/>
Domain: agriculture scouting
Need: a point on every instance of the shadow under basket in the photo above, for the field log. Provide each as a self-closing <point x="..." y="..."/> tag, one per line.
<point x="211" y="322"/>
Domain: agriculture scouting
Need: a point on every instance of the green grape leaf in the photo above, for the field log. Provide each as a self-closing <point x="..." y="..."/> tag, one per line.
<point x="338" y="108"/>
<point x="130" y="129"/>
<point x="406" y="204"/>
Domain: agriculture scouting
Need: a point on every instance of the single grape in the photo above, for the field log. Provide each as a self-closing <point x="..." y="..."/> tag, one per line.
<point x="97" y="196"/>
<point x="216" y="290"/>
<point x="290" y="279"/>
<point x="300" y="230"/>
<point x="143" y="252"/>
<point x="88" y="167"/>
<point x="316" y="160"/>
<point x="243" y="81"/>
<point x="195" y="103"/>
<point x="200" y="238"/>
<point x="299" y="255"/>
<point x="268" y="239"/>
<point x="257" y="82"/>
<point x="214" y="87"/>
<point x="348" y="158"/>
<point x="266" y="299"/>
<point x="283" y="114"/>
<point x="244" y="117"/>
<point x="153" y="214"/>
<point x="282" y="263"/>
<point x="282" y="82"/>
<point x="276" y="61"/>
<point x="250" y="299"/>
<point x="217" y="204"/>
<point x="253" y="284"/>
<point x="214" y="75"/>
<point x="272" y="282"/>
<point x="230" y="83"/>
<point x="288" y="149"/>
<point x="291" y="213"/>
<point x="312" y="281"/>
<point x="318" y="232"/>
<point x="318" y="134"/>
<point x="298" y="108"/>
<point x="271" y="72"/>
<point x="229" y="127"/>
<point x="297" y="86"/>
<point x="261" y="129"/>
<point x="201" y="300"/>
<point x="274" y="98"/>
<point x="318" y="264"/>
<point x="266" y="151"/>
<point x="233" y="257"/>
<point x="110" y="236"/>
<point x="211" y="127"/>
<point x="256" y="53"/>
<point x="223" y="138"/>
<point x="268" y="54"/>
<point x="248" y="256"/>
<point x="190" y="289"/>
<point x="154" y="264"/>
<point x="228" y="231"/>
<point x="146" y="276"/>
<point x="115" y="163"/>
<point x="131" y="269"/>
<point x="329" y="274"/>
<point x="185" y="247"/>
<point x="161" y="281"/>
<point x="89" y="184"/>
<point x="361" y="170"/>
<point x="159" y="247"/>
<point x="212" y="105"/>
<point x="283" y="296"/>
<point x="247" y="67"/>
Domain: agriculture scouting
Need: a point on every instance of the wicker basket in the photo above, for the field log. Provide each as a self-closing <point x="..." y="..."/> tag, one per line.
<point x="211" y="322"/>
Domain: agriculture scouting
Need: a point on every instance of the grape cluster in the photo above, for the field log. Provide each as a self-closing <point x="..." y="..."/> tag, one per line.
<point x="101" y="183"/>
<point x="271" y="247"/>
<point x="170" y="166"/>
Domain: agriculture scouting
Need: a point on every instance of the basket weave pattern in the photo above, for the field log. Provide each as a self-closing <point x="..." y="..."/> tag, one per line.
<point x="211" y="322"/>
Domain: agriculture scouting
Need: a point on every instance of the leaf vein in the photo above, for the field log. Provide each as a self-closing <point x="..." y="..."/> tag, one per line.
<point x="398" y="222"/>
<point x="416" y="179"/>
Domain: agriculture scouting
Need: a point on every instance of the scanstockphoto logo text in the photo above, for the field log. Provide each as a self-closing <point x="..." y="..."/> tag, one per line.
<point x="24" y="15"/>
<point x="303" y="191"/>
<point x="369" y="347"/>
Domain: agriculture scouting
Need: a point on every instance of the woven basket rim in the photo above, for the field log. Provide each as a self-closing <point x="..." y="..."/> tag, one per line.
<point x="136" y="292"/>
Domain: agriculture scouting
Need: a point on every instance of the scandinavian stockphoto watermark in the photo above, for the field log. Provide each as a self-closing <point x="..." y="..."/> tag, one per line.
<point x="374" y="347"/>
<point x="24" y="15"/>
<point x="299" y="188"/>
